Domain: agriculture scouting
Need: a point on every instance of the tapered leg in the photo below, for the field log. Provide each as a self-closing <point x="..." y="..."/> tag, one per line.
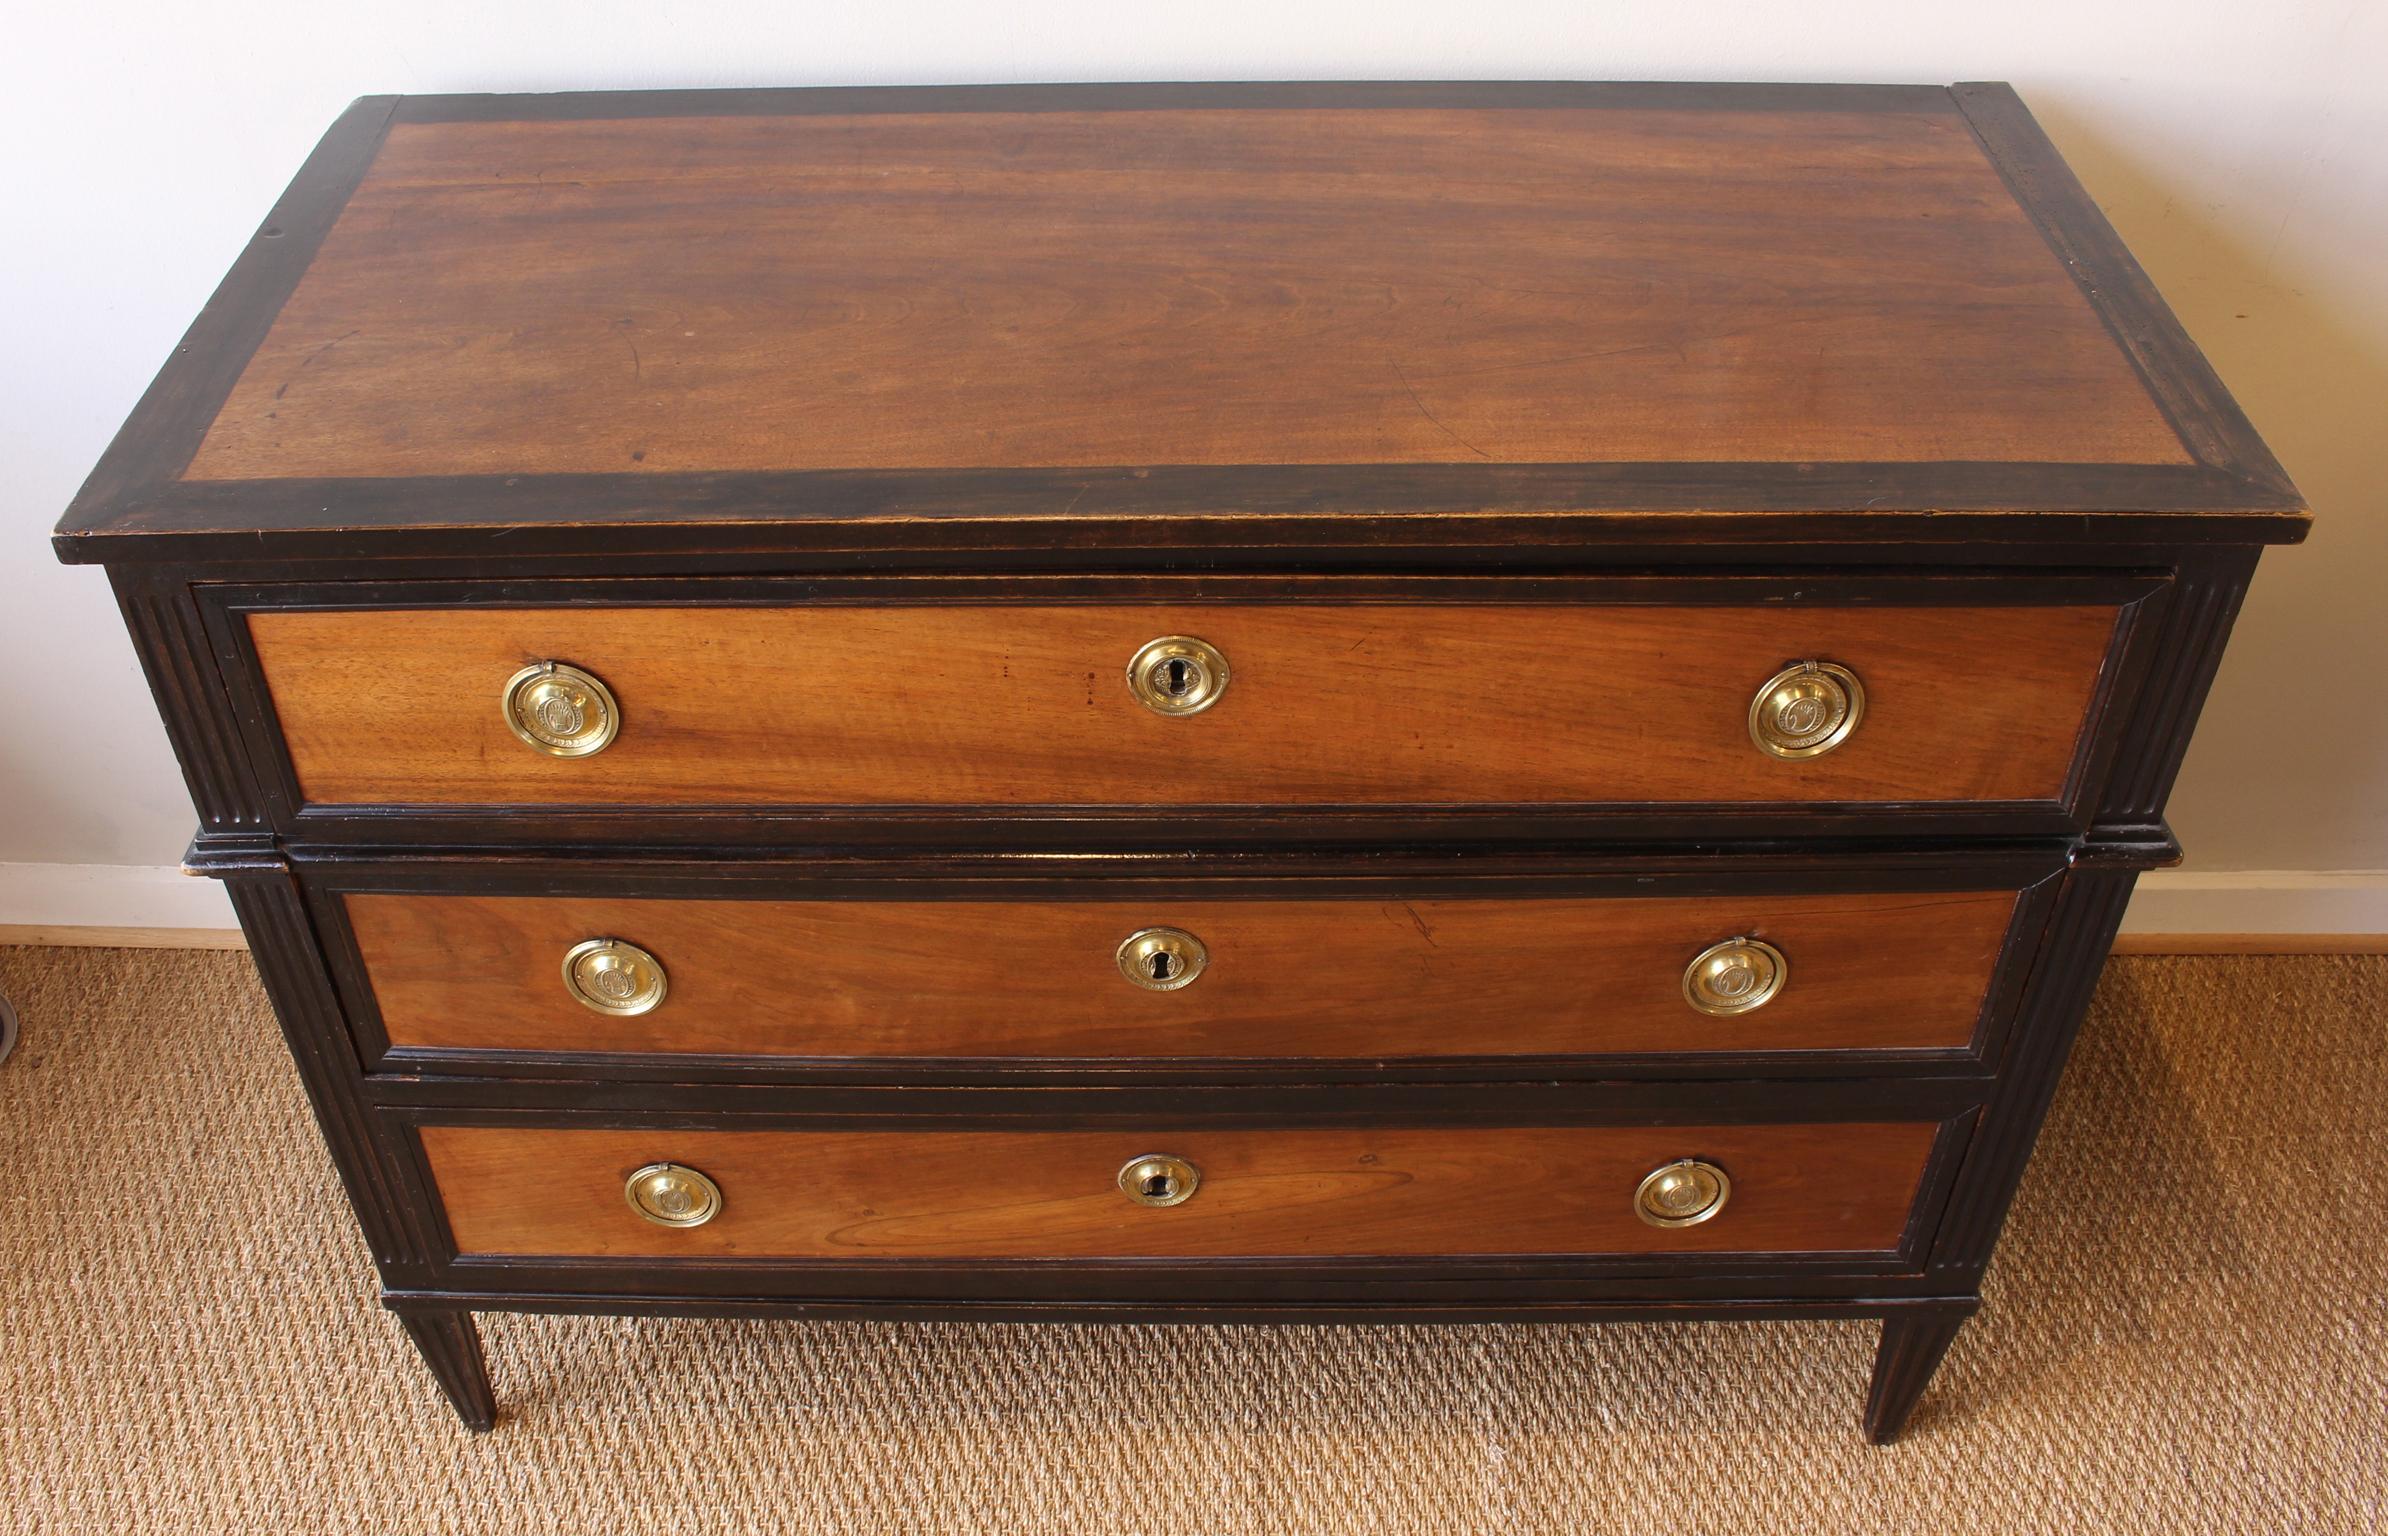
<point x="1912" y="1344"/>
<point x="451" y="1346"/>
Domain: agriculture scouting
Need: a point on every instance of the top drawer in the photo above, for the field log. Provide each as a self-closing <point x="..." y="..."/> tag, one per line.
<point x="1186" y="706"/>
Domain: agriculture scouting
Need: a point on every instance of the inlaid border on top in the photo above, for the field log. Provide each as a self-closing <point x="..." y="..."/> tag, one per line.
<point x="135" y="506"/>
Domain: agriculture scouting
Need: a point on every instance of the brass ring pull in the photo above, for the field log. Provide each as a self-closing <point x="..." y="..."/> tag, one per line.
<point x="1806" y="710"/>
<point x="1177" y="675"/>
<point x="1682" y="1194"/>
<point x="560" y="710"/>
<point x="1159" y="1179"/>
<point x="1737" y="976"/>
<point x="671" y="1195"/>
<point x="1162" y="959"/>
<point x="613" y="977"/>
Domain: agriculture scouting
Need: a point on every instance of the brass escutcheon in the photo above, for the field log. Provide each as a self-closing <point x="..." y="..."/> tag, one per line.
<point x="1806" y="710"/>
<point x="1159" y="1179"/>
<point x="1682" y="1194"/>
<point x="560" y="710"/>
<point x="1735" y="976"/>
<point x="671" y="1195"/>
<point x="1162" y="959"/>
<point x="1177" y="675"/>
<point x="613" y="977"/>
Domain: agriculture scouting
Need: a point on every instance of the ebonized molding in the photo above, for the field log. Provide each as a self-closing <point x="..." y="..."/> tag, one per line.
<point x="1912" y="1345"/>
<point x="2080" y="935"/>
<point x="450" y="1344"/>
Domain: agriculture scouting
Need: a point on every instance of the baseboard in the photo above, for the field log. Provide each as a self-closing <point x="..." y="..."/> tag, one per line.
<point x="123" y="938"/>
<point x="2254" y="911"/>
<point x="133" y="905"/>
<point x="2173" y="912"/>
<point x="2252" y="944"/>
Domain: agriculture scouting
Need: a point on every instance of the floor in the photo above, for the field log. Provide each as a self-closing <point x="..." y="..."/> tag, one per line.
<point x="2187" y="1331"/>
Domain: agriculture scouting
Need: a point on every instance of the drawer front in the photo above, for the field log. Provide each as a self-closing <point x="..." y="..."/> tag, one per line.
<point x="1250" y="980"/>
<point x="1267" y="1193"/>
<point x="1350" y="704"/>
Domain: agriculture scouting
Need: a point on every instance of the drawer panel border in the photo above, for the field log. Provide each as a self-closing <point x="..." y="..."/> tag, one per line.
<point x="2036" y="874"/>
<point x="1338" y="1280"/>
<point x="2140" y="595"/>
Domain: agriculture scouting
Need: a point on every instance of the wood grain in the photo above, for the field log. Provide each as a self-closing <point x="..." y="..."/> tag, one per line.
<point x="1293" y="1193"/>
<point x="1286" y="979"/>
<point x="1328" y="704"/>
<point x="1167" y="287"/>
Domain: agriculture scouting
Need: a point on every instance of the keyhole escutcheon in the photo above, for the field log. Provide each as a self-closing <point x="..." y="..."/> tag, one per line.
<point x="1162" y="959"/>
<point x="1158" y="1178"/>
<point x="1177" y="675"/>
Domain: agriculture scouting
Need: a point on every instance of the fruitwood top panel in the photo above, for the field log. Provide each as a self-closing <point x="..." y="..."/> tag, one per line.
<point x="1254" y="317"/>
<point x="1264" y="1193"/>
<point x="892" y="291"/>
<point x="1285" y="979"/>
<point x="1359" y="703"/>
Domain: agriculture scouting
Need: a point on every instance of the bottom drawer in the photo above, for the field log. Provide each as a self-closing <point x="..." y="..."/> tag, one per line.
<point x="1303" y="1193"/>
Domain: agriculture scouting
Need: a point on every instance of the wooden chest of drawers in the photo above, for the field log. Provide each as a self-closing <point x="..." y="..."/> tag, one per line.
<point x="1195" y="702"/>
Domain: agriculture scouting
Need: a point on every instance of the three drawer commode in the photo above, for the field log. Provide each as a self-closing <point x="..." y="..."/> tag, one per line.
<point x="1409" y="702"/>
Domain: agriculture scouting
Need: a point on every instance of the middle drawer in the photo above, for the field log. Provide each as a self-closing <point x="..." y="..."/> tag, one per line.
<point x="1061" y="979"/>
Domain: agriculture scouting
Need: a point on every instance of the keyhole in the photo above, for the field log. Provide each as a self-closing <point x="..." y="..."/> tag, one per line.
<point x="1157" y="1186"/>
<point x="1161" y="959"/>
<point x="1180" y="677"/>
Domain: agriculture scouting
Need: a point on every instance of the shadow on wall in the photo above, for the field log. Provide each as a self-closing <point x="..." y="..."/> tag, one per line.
<point x="2286" y="768"/>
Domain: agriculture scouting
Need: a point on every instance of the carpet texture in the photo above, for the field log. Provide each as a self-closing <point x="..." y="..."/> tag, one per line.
<point x="2187" y="1330"/>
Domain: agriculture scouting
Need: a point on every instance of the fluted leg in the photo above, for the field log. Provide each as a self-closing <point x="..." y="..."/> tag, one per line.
<point x="1912" y="1344"/>
<point x="451" y="1346"/>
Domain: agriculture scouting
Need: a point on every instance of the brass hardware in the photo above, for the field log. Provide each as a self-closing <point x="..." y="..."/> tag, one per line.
<point x="1682" y="1194"/>
<point x="1177" y="675"/>
<point x="1159" y="1179"/>
<point x="613" y="977"/>
<point x="1806" y="710"/>
<point x="672" y="1196"/>
<point x="1162" y="959"/>
<point x="560" y="710"/>
<point x="1734" y="977"/>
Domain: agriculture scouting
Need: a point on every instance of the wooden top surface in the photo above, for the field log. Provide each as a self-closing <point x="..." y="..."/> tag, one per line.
<point x="1084" y="303"/>
<point x="1021" y="290"/>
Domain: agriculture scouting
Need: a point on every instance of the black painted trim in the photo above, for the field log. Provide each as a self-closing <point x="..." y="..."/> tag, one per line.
<point x="1144" y="1103"/>
<point x="2088" y="913"/>
<point x="1911" y="1349"/>
<point x="164" y="430"/>
<point x="1183" y="96"/>
<point x="1771" y="1307"/>
<point x="2176" y="374"/>
<point x="1193" y="507"/>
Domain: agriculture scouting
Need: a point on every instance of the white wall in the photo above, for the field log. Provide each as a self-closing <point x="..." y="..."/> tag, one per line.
<point x="2242" y="150"/>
